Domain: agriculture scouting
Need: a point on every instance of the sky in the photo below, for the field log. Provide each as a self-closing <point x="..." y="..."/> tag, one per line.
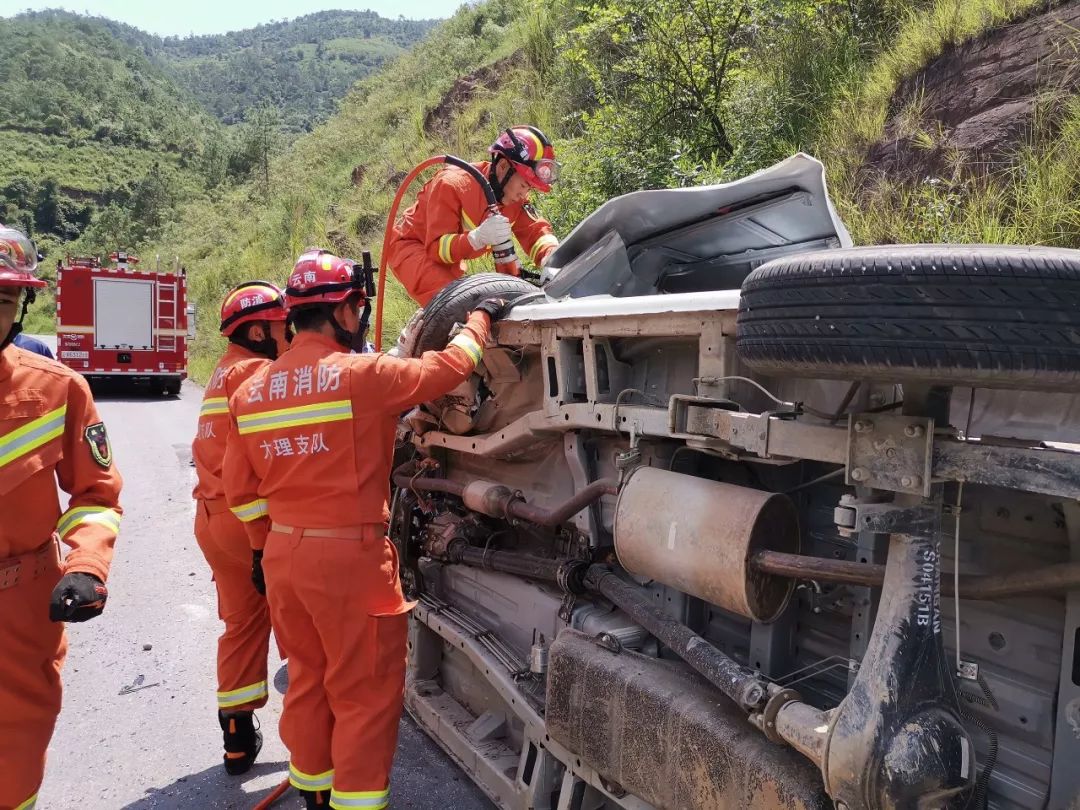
<point x="167" y="17"/>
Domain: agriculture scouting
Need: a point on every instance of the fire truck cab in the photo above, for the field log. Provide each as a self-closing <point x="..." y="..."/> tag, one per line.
<point x="120" y="322"/>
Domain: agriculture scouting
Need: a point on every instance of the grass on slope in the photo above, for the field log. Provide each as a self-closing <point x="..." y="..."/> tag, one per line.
<point x="864" y="109"/>
<point x="380" y="130"/>
<point x="1014" y="206"/>
<point x="1035" y="201"/>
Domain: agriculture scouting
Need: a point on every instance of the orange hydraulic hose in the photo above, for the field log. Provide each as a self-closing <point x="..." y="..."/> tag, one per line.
<point x="432" y="161"/>
<point x="504" y="254"/>
<point x="279" y="791"/>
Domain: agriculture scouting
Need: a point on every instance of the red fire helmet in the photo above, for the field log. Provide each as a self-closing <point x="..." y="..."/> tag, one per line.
<point x="531" y="154"/>
<point x="18" y="259"/>
<point x="320" y="277"/>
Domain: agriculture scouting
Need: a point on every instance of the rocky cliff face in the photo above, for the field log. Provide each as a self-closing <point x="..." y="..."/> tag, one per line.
<point x="970" y="107"/>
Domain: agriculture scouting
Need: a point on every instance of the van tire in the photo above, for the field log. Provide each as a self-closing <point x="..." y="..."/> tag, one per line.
<point x="430" y="329"/>
<point x="979" y="315"/>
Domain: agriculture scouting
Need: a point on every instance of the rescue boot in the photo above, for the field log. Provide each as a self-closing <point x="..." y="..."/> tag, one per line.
<point x="242" y="741"/>
<point x="316" y="799"/>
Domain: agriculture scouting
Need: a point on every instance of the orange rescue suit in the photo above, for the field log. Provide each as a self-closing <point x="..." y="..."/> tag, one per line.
<point x="49" y="432"/>
<point x="243" y="647"/>
<point x="307" y="468"/>
<point x="429" y="243"/>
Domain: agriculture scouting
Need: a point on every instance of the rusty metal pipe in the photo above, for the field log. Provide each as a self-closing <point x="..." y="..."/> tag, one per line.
<point x="799" y="566"/>
<point x="495" y="506"/>
<point x="1048" y="579"/>
<point x="566" y="510"/>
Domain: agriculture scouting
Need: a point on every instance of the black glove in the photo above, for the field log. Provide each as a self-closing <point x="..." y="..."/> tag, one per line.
<point x="77" y="597"/>
<point x="257" y="578"/>
<point x="494" y="307"/>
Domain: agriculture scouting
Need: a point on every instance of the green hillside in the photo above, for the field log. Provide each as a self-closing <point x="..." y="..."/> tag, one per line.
<point x="65" y="75"/>
<point x="610" y="80"/>
<point x="98" y="141"/>
<point x="105" y="129"/>
<point x="303" y="67"/>
<point x="668" y="93"/>
<point x="312" y="197"/>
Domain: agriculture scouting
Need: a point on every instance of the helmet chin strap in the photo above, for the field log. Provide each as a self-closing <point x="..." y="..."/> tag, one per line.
<point x="359" y="341"/>
<point x="353" y="341"/>
<point x="497" y="185"/>
<point x="17" y="327"/>
<point x="267" y="347"/>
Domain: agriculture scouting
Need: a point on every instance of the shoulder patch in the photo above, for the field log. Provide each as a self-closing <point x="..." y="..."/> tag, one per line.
<point x="98" y="440"/>
<point x="530" y="212"/>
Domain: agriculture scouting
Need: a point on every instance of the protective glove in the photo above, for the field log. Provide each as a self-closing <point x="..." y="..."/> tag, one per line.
<point x="494" y="307"/>
<point x="495" y="230"/>
<point x="257" y="578"/>
<point x="77" y="597"/>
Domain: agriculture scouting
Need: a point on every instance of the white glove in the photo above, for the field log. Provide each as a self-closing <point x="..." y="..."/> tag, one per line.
<point x="495" y="230"/>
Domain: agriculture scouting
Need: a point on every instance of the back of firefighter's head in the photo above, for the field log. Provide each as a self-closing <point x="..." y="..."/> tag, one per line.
<point x="253" y="315"/>
<point x="18" y="261"/>
<point x="327" y="294"/>
<point x="522" y="161"/>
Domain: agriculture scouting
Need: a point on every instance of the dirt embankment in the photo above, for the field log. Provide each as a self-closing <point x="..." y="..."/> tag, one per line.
<point x="487" y="78"/>
<point x="975" y="102"/>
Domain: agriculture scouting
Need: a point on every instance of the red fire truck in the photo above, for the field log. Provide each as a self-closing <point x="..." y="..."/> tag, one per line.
<point x="120" y="322"/>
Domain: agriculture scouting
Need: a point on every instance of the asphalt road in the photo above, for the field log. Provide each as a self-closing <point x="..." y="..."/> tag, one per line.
<point x="138" y="728"/>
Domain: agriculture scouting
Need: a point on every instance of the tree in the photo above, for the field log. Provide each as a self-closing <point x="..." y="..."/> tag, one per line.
<point x="152" y="200"/>
<point x="261" y="141"/>
<point x="669" y="66"/>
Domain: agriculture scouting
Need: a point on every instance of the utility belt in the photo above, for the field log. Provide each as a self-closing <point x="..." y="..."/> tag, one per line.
<point x="32" y="565"/>
<point x="365" y="531"/>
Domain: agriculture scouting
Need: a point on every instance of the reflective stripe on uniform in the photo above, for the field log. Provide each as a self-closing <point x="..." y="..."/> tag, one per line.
<point x="29" y="804"/>
<point x="252" y="510"/>
<point x="544" y="241"/>
<point x="85" y="515"/>
<point x="465" y="342"/>
<point x="446" y="243"/>
<point x="310" y="781"/>
<point x="337" y="411"/>
<point x="368" y="799"/>
<point x="213" y="406"/>
<point x="246" y="694"/>
<point x="32" y="435"/>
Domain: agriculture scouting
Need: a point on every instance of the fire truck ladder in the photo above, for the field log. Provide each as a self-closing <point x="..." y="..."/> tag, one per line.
<point x="166" y="316"/>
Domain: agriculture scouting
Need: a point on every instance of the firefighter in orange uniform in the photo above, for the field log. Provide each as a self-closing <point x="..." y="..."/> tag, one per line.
<point x="49" y="432"/>
<point x="307" y="467"/>
<point x="431" y="241"/>
<point x="253" y="320"/>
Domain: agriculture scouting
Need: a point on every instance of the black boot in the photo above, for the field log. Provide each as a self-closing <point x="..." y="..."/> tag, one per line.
<point x="316" y="799"/>
<point x="242" y="741"/>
